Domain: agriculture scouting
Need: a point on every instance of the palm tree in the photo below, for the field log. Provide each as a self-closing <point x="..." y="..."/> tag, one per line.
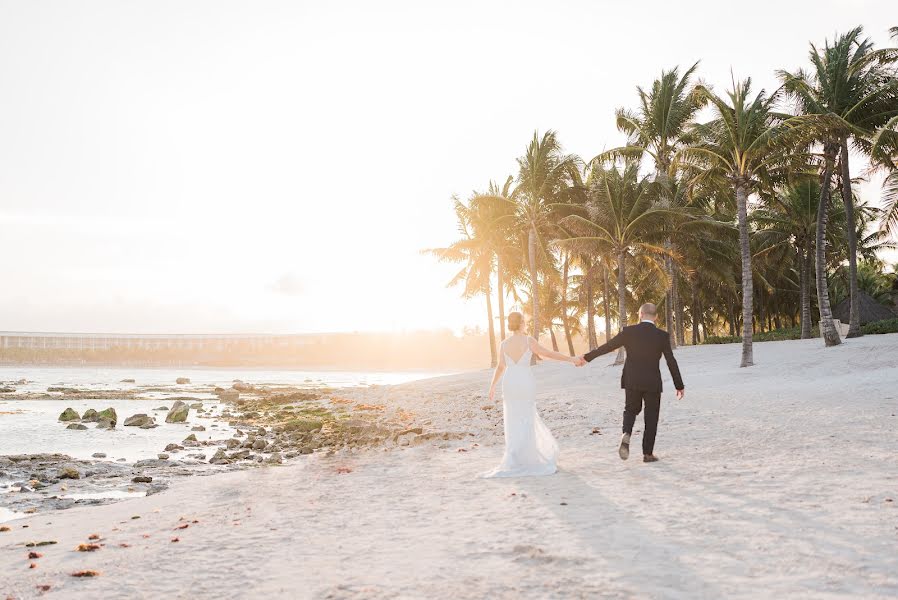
<point x="659" y="128"/>
<point x="890" y="200"/>
<point x="735" y="150"/>
<point x="708" y="254"/>
<point x="849" y="93"/>
<point x="789" y="216"/>
<point x="497" y="210"/>
<point x="546" y="177"/>
<point x="884" y="152"/>
<point x="583" y="286"/>
<point x="607" y="304"/>
<point x="556" y="311"/>
<point x="563" y="302"/>
<point x="475" y="250"/>
<point x="622" y="217"/>
<point x="871" y="279"/>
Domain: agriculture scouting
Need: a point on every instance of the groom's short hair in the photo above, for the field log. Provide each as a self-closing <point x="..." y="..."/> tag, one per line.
<point x="648" y="310"/>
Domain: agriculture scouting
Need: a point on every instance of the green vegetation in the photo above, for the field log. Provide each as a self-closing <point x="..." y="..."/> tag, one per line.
<point x="794" y="333"/>
<point x="887" y="326"/>
<point x="791" y="333"/>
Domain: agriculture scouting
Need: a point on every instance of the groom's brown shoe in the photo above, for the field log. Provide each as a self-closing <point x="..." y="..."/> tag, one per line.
<point x="649" y="458"/>
<point x="624" y="450"/>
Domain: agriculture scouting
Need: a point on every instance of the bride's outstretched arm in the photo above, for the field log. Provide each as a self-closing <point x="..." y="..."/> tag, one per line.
<point x="544" y="352"/>
<point x="500" y="368"/>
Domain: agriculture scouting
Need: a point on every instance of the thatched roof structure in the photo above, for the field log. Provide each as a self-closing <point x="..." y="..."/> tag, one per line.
<point x="870" y="310"/>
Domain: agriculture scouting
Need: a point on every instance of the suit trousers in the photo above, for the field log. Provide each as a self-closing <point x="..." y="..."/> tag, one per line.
<point x="635" y="400"/>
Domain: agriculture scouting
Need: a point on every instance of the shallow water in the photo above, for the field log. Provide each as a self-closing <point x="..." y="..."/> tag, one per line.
<point x="109" y="377"/>
<point x="106" y="495"/>
<point x="9" y="515"/>
<point x="32" y="426"/>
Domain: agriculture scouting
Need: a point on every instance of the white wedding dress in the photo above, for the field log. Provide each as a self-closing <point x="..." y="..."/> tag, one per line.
<point x="530" y="449"/>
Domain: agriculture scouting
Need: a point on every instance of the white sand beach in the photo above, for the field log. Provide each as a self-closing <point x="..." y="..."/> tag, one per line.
<point x="777" y="481"/>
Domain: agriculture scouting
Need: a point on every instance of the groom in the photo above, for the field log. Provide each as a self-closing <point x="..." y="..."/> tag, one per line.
<point x="641" y="379"/>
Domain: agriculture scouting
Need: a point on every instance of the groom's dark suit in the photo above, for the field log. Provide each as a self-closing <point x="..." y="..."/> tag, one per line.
<point x="641" y="378"/>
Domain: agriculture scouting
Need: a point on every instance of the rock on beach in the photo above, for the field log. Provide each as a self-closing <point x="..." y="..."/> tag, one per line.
<point x="69" y="414"/>
<point x="139" y="420"/>
<point x="178" y="413"/>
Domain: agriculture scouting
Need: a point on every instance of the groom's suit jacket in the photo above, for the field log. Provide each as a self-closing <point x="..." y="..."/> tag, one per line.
<point x="645" y="345"/>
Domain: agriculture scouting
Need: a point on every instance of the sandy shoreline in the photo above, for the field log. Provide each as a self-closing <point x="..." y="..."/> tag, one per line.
<point x="775" y="481"/>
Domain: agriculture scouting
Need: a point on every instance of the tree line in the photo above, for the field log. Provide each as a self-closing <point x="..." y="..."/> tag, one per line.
<point x="730" y="223"/>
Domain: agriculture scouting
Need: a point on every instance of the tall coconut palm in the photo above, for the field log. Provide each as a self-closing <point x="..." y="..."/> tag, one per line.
<point x="850" y="91"/>
<point x="546" y="177"/>
<point x="475" y="250"/>
<point x="659" y="127"/>
<point x="790" y="217"/>
<point x="607" y="304"/>
<point x="496" y="210"/>
<point x="736" y="149"/>
<point x="622" y="217"/>
<point x="871" y="241"/>
<point x="563" y="301"/>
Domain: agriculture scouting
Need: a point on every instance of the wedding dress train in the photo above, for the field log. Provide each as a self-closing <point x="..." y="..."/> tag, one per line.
<point x="530" y="449"/>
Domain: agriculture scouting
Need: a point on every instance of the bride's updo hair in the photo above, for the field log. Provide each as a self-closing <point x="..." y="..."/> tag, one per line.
<point x="515" y="321"/>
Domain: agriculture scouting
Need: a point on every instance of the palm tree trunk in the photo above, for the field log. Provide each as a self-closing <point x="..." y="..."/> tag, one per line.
<point x="827" y="327"/>
<point x="668" y="302"/>
<point x="590" y="309"/>
<point x="696" y="314"/>
<point x="621" y="299"/>
<point x="761" y="314"/>
<point x="564" y="316"/>
<point x="501" y="289"/>
<point x="804" y="256"/>
<point x="679" y="314"/>
<point x="531" y="255"/>
<point x="492" y="327"/>
<point x="606" y="300"/>
<point x="732" y="319"/>
<point x="554" y="339"/>
<point x="747" y="289"/>
<point x="703" y="333"/>
<point x="854" y="325"/>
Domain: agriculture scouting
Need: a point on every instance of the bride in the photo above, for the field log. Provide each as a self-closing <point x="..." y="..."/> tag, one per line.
<point x="530" y="448"/>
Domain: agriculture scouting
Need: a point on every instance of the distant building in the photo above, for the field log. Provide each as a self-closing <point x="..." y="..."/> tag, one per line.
<point x="107" y="341"/>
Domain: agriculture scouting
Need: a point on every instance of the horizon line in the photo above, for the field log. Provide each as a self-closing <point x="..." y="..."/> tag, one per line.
<point x="12" y="333"/>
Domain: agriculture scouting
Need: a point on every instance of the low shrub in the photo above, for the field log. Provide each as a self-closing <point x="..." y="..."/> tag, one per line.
<point x="887" y="326"/>
<point x="790" y="333"/>
<point x="722" y="339"/>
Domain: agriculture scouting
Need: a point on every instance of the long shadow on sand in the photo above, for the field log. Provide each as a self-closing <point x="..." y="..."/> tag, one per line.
<point x="645" y="562"/>
<point x="823" y="538"/>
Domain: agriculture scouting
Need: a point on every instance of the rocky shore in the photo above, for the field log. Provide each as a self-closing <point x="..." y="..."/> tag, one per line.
<point x="270" y="424"/>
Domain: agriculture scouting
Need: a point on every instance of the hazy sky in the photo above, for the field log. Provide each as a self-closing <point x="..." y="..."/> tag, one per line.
<point x="277" y="166"/>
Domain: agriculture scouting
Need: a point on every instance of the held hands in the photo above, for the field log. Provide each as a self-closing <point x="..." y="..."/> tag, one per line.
<point x="578" y="361"/>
